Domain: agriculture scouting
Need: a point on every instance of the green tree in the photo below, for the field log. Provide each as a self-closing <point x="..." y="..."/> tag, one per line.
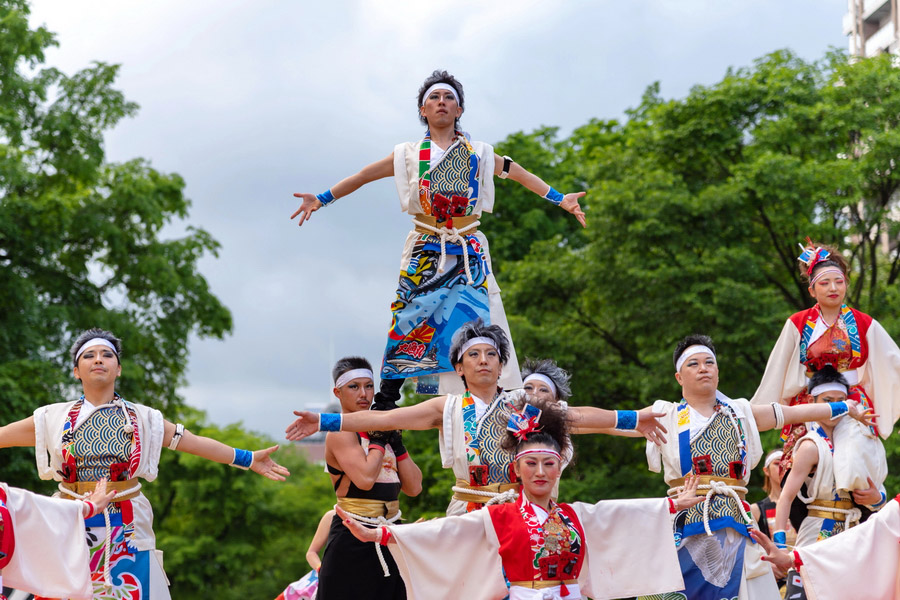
<point x="695" y="207"/>
<point x="80" y="240"/>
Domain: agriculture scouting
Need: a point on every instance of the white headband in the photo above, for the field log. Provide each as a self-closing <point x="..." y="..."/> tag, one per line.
<point x="351" y="375"/>
<point x="95" y="342"/>
<point x="439" y="86"/>
<point x="772" y="458"/>
<point x="539" y="451"/>
<point x="543" y="378"/>
<point x="691" y="351"/>
<point x="476" y="340"/>
<point x="831" y="386"/>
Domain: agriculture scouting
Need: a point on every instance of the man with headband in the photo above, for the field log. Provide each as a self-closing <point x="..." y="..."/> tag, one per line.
<point x="472" y="424"/>
<point x="827" y="448"/>
<point x="445" y="181"/>
<point x="368" y="473"/>
<point x="717" y="438"/>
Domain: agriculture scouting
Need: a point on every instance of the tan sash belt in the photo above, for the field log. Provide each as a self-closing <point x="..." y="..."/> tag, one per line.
<point x="705" y="479"/>
<point x="543" y="584"/>
<point x="366" y="507"/>
<point x="85" y="487"/>
<point x="458" y="223"/>
<point x="494" y="488"/>
<point x="820" y="509"/>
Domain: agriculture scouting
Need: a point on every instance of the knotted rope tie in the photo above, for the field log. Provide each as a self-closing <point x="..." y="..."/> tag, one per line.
<point x="718" y="488"/>
<point x="452" y="235"/>
<point x="382" y="522"/>
<point x="107" y="547"/>
<point x="502" y="498"/>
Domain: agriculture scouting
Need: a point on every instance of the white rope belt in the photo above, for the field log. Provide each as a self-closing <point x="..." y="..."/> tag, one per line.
<point x="718" y="488"/>
<point x="851" y="515"/>
<point x="107" y="577"/>
<point x="454" y="236"/>
<point x="378" y="521"/>
<point x="462" y="490"/>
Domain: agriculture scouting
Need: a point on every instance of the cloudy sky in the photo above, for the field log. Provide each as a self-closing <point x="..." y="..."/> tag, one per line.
<point x="252" y="100"/>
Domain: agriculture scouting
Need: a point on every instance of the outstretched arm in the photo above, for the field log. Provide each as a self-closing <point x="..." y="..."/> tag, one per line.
<point x="425" y="415"/>
<point x="765" y="414"/>
<point x="568" y="202"/>
<point x="20" y="433"/>
<point x="589" y="419"/>
<point x="377" y="170"/>
<point x="216" y="451"/>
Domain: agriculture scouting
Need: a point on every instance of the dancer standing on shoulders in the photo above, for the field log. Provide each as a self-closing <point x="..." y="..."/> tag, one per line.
<point x="102" y="435"/>
<point x="832" y="333"/>
<point x="547" y="550"/>
<point x="368" y="472"/>
<point x="445" y="181"/>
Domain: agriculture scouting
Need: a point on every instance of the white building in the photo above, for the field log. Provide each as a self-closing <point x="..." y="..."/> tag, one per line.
<point x="872" y="27"/>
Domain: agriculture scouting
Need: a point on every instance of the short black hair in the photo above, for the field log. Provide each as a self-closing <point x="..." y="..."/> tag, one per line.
<point x="349" y="363"/>
<point x="91" y="334"/>
<point x="440" y="77"/>
<point x="827" y="374"/>
<point x="695" y="339"/>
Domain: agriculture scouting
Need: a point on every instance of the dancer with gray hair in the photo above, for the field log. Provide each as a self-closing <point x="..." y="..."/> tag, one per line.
<point x="471" y="424"/>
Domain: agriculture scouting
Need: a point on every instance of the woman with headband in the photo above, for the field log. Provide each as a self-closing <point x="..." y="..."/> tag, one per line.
<point x="368" y="472"/>
<point x="445" y="181"/>
<point x="716" y="438"/>
<point x="102" y="435"/>
<point x="831" y="333"/>
<point x="547" y="550"/>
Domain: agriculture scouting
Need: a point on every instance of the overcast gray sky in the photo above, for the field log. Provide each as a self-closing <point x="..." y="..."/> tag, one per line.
<point x="252" y="100"/>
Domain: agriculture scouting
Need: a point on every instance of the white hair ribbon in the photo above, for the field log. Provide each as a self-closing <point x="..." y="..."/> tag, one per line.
<point x="691" y="351"/>
<point x="772" y="458"/>
<point x="549" y="451"/>
<point x="352" y="374"/>
<point x="831" y="386"/>
<point x="95" y="342"/>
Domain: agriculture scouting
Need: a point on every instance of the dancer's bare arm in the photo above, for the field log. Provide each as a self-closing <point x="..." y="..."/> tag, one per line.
<point x="377" y="170"/>
<point x="801" y="413"/>
<point x="216" y="451"/>
<point x="425" y="415"/>
<point x="532" y="182"/>
<point x="589" y="419"/>
<point x="20" y="433"/>
<point x="343" y="449"/>
<point x="318" y="541"/>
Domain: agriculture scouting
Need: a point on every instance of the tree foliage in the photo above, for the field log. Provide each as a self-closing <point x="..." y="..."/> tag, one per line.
<point x="81" y="239"/>
<point x="695" y="207"/>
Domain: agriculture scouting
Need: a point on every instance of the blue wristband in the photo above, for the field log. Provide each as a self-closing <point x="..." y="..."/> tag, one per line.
<point x="330" y="422"/>
<point x="838" y="409"/>
<point x="554" y="196"/>
<point x="880" y="502"/>
<point x="242" y="459"/>
<point x="780" y="539"/>
<point x="626" y="420"/>
<point x="325" y="197"/>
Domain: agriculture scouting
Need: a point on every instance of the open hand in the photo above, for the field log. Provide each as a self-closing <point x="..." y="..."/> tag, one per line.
<point x="100" y="498"/>
<point x="688" y="496"/>
<point x="306" y="424"/>
<point x="867" y="417"/>
<point x="309" y="205"/>
<point x="266" y="466"/>
<point x="359" y="531"/>
<point x="650" y="427"/>
<point x="781" y="560"/>
<point x="570" y="204"/>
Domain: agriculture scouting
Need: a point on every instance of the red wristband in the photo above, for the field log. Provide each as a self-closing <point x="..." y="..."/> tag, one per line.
<point x="672" y="508"/>
<point x="92" y="509"/>
<point x="403" y="456"/>
<point x="374" y="446"/>
<point x="385" y="536"/>
<point x="797" y="561"/>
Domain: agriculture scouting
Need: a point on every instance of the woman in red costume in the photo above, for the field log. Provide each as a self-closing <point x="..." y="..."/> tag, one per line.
<point x="547" y="550"/>
<point x="831" y="333"/>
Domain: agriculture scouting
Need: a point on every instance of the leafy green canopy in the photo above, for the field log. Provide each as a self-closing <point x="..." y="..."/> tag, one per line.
<point x="81" y="240"/>
<point x="695" y="207"/>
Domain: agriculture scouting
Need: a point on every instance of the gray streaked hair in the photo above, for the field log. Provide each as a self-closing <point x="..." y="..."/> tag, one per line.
<point x="477" y="328"/>
<point x="548" y="368"/>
